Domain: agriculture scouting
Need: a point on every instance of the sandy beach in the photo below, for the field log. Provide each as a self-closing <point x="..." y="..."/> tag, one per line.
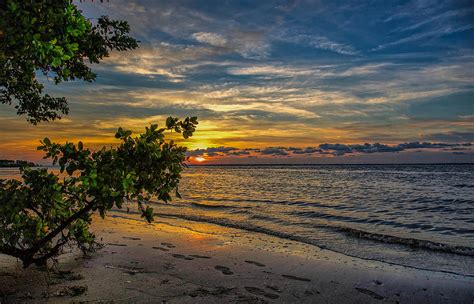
<point x="176" y="261"/>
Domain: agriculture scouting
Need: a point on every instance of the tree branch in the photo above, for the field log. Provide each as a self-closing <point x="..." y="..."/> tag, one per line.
<point x="60" y="228"/>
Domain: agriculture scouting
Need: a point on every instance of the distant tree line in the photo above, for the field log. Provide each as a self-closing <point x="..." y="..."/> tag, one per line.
<point x="16" y="163"/>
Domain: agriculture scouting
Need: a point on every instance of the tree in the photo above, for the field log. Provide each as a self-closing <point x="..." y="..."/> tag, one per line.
<point x="42" y="214"/>
<point x="52" y="38"/>
<point x="45" y="212"/>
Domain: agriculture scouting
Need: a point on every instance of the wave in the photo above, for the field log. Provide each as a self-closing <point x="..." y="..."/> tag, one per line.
<point x="411" y="242"/>
<point x="206" y="206"/>
<point x="463" y="186"/>
<point x="264" y="201"/>
<point x="348" y="231"/>
<point x="352" y="232"/>
<point x="375" y="221"/>
<point x="266" y="218"/>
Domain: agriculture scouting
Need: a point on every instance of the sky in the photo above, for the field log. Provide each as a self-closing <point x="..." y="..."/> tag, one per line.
<point x="279" y="82"/>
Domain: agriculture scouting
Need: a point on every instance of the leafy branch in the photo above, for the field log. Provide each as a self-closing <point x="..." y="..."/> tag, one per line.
<point x="46" y="212"/>
<point x="51" y="39"/>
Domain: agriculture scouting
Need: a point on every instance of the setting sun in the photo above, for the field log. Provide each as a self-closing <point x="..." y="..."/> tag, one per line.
<point x="199" y="159"/>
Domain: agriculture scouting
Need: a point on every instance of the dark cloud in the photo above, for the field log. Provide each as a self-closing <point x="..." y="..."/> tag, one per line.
<point x="333" y="149"/>
<point x="274" y="151"/>
<point x="339" y="148"/>
<point x="307" y="150"/>
<point x="216" y="151"/>
<point x="342" y="149"/>
<point x="239" y="153"/>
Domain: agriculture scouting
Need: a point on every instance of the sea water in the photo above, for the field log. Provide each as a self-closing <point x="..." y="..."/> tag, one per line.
<point x="419" y="216"/>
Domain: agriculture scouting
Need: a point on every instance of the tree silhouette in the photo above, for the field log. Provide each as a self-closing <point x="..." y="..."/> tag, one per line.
<point x="45" y="212"/>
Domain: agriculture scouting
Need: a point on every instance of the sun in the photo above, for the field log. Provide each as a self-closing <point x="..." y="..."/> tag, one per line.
<point x="199" y="159"/>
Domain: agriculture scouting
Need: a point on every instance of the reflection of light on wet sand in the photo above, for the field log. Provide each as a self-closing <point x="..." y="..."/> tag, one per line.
<point x="201" y="235"/>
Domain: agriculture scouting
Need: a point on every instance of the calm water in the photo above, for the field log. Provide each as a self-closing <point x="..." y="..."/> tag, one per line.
<point x="415" y="215"/>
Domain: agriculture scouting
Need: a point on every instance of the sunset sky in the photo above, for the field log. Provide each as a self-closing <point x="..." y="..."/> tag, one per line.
<point x="280" y="81"/>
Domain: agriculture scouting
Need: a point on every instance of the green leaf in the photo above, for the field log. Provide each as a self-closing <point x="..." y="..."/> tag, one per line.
<point x="56" y="62"/>
<point x="74" y="46"/>
<point x="12" y="6"/>
<point x="58" y="197"/>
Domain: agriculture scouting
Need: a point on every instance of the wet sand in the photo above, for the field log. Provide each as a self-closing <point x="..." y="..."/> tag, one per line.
<point x="177" y="261"/>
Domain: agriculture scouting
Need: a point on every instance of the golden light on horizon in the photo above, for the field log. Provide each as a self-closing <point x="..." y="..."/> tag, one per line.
<point x="199" y="159"/>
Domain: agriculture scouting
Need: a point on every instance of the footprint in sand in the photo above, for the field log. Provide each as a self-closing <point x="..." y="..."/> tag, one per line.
<point x="180" y="256"/>
<point x="256" y="263"/>
<point x="131" y="238"/>
<point x="273" y="287"/>
<point x="224" y="270"/>
<point x="68" y="275"/>
<point x="261" y="292"/>
<point x="295" y="278"/>
<point x="311" y="292"/>
<point x="169" y="245"/>
<point x="160" y="248"/>
<point x="116" y="244"/>
<point x="197" y="256"/>
<point x="370" y="293"/>
<point x="169" y="266"/>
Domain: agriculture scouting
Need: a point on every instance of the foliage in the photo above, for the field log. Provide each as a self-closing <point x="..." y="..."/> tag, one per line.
<point x="52" y="38"/>
<point x="46" y="212"/>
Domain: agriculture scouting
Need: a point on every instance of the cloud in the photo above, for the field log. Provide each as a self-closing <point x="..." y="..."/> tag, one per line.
<point x="342" y="149"/>
<point x="272" y="70"/>
<point x="426" y="23"/>
<point x="250" y="44"/>
<point x="239" y="153"/>
<point x="210" y="38"/>
<point x="327" y="149"/>
<point x="171" y="61"/>
<point x="274" y="151"/>
<point x="264" y="107"/>
<point x="442" y="17"/>
<point x="307" y="150"/>
<point x="324" y="43"/>
<point x="442" y="31"/>
<point x="213" y="151"/>
<point x="318" y="42"/>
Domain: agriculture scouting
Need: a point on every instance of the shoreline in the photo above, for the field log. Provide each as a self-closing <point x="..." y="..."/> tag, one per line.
<point x="180" y="261"/>
<point x="295" y="238"/>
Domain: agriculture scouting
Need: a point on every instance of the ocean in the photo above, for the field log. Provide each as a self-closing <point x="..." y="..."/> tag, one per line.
<point x="419" y="216"/>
